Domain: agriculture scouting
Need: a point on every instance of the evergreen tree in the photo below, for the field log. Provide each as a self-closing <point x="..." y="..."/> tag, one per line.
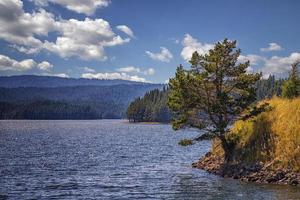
<point x="213" y="93"/>
<point x="291" y="87"/>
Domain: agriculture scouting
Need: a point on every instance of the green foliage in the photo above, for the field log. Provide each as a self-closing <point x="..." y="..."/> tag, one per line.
<point x="150" y="108"/>
<point x="291" y="87"/>
<point x="265" y="88"/>
<point x="214" y="92"/>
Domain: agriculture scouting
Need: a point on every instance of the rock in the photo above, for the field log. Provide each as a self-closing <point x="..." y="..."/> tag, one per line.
<point x="280" y="175"/>
<point x="294" y="182"/>
<point x="258" y="172"/>
<point x="194" y="165"/>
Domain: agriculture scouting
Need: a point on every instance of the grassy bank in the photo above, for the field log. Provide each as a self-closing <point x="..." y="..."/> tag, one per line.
<point x="273" y="135"/>
<point x="268" y="141"/>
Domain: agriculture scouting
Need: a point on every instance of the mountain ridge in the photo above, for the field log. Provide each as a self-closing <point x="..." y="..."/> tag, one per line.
<point x="53" y="81"/>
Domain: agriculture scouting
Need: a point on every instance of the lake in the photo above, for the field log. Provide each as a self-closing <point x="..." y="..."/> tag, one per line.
<point x="112" y="159"/>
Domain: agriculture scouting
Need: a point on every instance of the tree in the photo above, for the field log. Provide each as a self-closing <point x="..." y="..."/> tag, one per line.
<point x="213" y="93"/>
<point x="291" y="87"/>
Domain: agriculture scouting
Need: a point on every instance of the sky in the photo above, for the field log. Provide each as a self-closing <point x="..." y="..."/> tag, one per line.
<point x="142" y="40"/>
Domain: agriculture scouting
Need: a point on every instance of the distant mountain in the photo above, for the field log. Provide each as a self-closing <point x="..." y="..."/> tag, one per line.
<point x="39" y="97"/>
<point x="51" y="81"/>
<point x="114" y="93"/>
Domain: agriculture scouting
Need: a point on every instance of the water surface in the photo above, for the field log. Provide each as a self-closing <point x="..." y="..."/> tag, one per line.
<point x="111" y="159"/>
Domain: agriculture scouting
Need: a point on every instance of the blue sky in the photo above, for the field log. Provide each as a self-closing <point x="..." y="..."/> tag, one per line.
<point x="142" y="40"/>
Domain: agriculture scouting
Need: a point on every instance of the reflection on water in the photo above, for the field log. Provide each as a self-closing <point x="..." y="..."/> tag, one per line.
<point x="111" y="159"/>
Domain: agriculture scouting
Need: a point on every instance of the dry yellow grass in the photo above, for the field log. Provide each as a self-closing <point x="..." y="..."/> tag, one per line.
<point x="272" y="136"/>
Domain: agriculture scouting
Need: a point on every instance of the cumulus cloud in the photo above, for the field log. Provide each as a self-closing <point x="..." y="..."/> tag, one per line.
<point x="46" y="66"/>
<point x="272" y="47"/>
<point x="132" y="69"/>
<point x="86" y="39"/>
<point x="275" y="65"/>
<point x="125" y="29"/>
<point x="190" y="45"/>
<point x="7" y="63"/>
<point x="279" y="66"/>
<point x="164" y="55"/>
<point x="112" y="76"/>
<point x="87" y="7"/>
<point x="18" y="27"/>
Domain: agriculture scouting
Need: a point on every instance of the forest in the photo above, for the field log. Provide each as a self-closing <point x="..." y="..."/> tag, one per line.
<point x="65" y="99"/>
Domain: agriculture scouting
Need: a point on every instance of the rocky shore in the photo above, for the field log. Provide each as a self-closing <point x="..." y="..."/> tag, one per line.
<point x="260" y="173"/>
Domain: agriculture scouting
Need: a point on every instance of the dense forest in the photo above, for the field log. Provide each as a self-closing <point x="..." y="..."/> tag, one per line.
<point x="150" y="108"/>
<point x="153" y="106"/>
<point x="71" y="101"/>
<point x="47" y="110"/>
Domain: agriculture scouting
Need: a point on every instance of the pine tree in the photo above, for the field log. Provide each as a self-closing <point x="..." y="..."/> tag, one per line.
<point x="213" y="93"/>
<point x="291" y="87"/>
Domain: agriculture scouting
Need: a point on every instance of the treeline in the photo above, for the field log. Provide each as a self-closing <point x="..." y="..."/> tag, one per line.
<point x="150" y="108"/>
<point x="52" y="110"/>
<point x="267" y="88"/>
<point x="153" y="106"/>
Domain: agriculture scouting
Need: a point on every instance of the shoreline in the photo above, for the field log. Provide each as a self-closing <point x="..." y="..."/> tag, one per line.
<point x="148" y="123"/>
<point x="258" y="173"/>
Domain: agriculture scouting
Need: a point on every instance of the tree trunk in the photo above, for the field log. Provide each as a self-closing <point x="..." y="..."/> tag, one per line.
<point x="227" y="147"/>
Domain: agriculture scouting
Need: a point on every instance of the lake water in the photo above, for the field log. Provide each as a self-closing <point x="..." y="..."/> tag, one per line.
<point x="111" y="159"/>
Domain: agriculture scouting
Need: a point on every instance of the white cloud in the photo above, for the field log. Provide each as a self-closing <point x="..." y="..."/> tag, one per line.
<point x="62" y="75"/>
<point x="129" y="69"/>
<point x="88" y="69"/>
<point x="112" y="76"/>
<point x="46" y="66"/>
<point x="275" y="65"/>
<point x="254" y="59"/>
<point x="164" y="55"/>
<point x="190" y="45"/>
<point x="86" y="39"/>
<point x="132" y="69"/>
<point x="18" y="27"/>
<point x="280" y="66"/>
<point x="125" y="29"/>
<point x="272" y="47"/>
<point x="87" y="7"/>
<point x="7" y="63"/>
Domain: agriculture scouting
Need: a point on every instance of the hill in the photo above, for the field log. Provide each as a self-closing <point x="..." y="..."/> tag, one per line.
<point x="63" y="98"/>
<point x="51" y="81"/>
